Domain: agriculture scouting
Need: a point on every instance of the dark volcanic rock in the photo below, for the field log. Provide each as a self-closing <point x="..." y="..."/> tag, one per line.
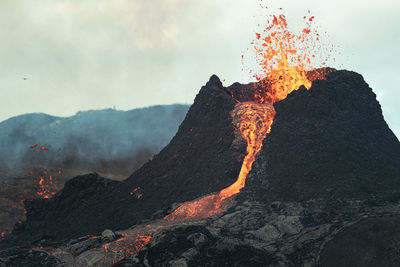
<point x="369" y="243"/>
<point x="194" y="245"/>
<point x="28" y="258"/>
<point x="329" y="142"/>
<point x="202" y="158"/>
<point x="48" y="217"/>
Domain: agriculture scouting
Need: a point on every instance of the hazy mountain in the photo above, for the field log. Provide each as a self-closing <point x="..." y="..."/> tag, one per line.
<point x="108" y="140"/>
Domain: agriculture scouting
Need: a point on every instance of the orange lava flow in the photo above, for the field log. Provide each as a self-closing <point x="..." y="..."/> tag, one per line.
<point x="254" y="123"/>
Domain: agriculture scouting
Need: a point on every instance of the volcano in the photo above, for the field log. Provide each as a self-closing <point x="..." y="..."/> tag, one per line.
<point x="328" y="161"/>
<point x="296" y="169"/>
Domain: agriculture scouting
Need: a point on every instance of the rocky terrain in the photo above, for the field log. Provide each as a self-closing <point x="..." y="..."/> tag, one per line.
<point x="323" y="191"/>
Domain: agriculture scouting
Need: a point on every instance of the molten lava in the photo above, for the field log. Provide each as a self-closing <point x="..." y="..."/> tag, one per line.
<point x="284" y="59"/>
<point x="253" y="121"/>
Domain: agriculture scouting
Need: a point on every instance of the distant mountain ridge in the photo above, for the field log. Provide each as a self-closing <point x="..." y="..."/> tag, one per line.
<point x="90" y="139"/>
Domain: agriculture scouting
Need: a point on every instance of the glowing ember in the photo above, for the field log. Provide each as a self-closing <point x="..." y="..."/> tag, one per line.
<point x="47" y="183"/>
<point x="39" y="147"/>
<point x="47" y="187"/>
<point x="136" y="192"/>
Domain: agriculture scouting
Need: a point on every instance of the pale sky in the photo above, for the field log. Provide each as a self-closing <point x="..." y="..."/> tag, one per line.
<point x="94" y="54"/>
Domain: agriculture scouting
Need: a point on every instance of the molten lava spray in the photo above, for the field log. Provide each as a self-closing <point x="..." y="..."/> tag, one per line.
<point x="285" y="60"/>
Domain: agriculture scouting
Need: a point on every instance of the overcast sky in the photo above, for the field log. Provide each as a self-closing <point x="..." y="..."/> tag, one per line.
<point x="94" y="54"/>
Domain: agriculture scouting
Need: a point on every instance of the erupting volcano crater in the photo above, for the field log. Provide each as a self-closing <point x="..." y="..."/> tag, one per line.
<point x="262" y="174"/>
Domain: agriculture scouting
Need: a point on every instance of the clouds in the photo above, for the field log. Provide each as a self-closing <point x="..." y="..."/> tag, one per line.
<point x="129" y="53"/>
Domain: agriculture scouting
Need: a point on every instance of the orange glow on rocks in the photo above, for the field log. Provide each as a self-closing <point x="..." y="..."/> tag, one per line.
<point x="126" y="246"/>
<point x="136" y="193"/>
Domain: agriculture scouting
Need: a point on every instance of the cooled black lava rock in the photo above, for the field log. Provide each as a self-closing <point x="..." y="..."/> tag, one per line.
<point x="196" y="246"/>
<point x="369" y="243"/>
<point x="203" y="157"/>
<point x="48" y="217"/>
<point x="27" y="257"/>
<point x="328" y="142"/>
